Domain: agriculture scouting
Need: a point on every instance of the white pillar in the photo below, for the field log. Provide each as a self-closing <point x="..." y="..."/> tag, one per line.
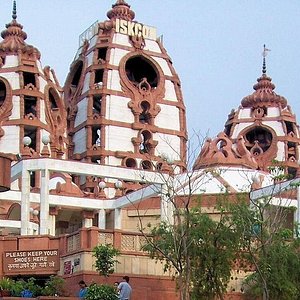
<point x="52" y="220"/>
<point x="166" y="206"/>
<point x="101" y="219"/>
<point x="118" y="218"/>
<point x="25" y="202"/>
<point x="87" y="223"/>
<point x="44" y="202"/>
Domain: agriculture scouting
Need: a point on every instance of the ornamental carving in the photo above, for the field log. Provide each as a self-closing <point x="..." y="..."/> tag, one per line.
<point x="144" y="85"/>
<point x="221" y="151"/>
<point x="6" y="104"/>
<point x="264" y="94"/>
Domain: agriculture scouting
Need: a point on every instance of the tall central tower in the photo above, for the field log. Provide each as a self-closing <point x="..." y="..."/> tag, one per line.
<point x="124" y="100"/>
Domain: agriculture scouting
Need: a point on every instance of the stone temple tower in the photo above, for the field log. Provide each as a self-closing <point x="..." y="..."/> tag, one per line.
<point x="261" y="133"/>
<point x="123" y="97"/>
<point x="32" y="112"/>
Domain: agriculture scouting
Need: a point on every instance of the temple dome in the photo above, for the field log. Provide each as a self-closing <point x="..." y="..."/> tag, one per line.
<point x="121" y="10"/>
<point x="14" y="38"/>
<point x="264" y="94"/>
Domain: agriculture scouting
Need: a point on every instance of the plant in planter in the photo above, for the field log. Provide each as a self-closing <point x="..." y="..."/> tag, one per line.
<point x="101" y="292"/>
<point x="54" y="286"/>
<point x="6" y="285"/>
<point x="17" y="288"/>
<point x="31" y="287"/>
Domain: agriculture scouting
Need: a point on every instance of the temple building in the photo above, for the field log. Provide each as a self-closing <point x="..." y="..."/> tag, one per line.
<point x="89" y="161"/>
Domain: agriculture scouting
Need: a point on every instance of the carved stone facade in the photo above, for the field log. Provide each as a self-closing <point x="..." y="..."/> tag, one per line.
<point x="91" y="158"/>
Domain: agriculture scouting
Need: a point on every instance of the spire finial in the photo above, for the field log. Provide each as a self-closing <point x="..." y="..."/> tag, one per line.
<point x="14" y="12"/>
<point x="264" y="54"/>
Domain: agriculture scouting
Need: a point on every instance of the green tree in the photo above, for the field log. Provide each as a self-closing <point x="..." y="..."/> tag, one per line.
<point x="105" y="259"/>
<point x="268" y="248"/>
<point x="200" y="250"/>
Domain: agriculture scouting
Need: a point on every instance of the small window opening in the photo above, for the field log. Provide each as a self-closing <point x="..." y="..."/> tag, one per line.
<point x="2" y="60"/>
<point x="96" y="136"/>
<point x="96" y="160"/>
<point x="52" y="100"/>
<point x="2" y="92"/>
<point x="145" y="116"/>
<point x="228" y="129"/>
<point x="75" y="79"/>
<point x="77" y="75"/>
<point x="145" y="138"/>
<point x="292" y="172"/>
<point x="31" y="132"/>
<point x="291" y="149"/>
<point x="32" y="179"/>
<point x="146" y="165"/>
<point x="29" y="78"/>
<point x="130" y="163"/>
<point x="30" y="105"/>
<point x="260" y="137"/>
<point x="102" y="53"/>
<point x="97" y="101"/>
<point x="289" y="126"/>
<point x="99" y="78"/>
<point x="159" y="166"/>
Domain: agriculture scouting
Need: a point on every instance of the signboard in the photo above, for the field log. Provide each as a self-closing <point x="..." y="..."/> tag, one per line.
<point x="31" y="262"/>
<point x="67" y="267"/>
<point x="89" y="33"/>
<point x="135" y="29"/>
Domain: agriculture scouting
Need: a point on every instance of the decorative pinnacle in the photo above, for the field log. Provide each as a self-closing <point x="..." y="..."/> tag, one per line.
<point x="14" y="12"/>
<point x="264" y="54"/>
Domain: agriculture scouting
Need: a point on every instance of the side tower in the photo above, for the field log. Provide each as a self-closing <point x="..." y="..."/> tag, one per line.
<point x="32" y="112"/>
<point x="268" y="126"/>
<point x="124" y="100"/>
<point x="261" y="133"/>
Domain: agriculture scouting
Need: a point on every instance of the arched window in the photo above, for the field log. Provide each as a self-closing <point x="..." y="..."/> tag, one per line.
<point x="130" y="163"/>
<point x="2" y="92"/>
<point x="52" y="99"/>
<point x="146" y="165"/>
<point x="138" y="67"/>
<point x="145" y="145"/>
<point x="96" y="136"/>
<point x="145" y="116"/>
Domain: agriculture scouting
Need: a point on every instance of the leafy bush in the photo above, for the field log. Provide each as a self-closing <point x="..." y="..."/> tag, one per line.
<point x="101" y="292"/>
<point x="54" y="286"/>
<point x="17" y="288"/>
<point x="33" y="287"/>
<point x="6" y="283"/>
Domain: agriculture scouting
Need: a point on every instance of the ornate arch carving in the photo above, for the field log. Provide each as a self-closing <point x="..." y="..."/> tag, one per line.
<point x="6" y="106"/>
<point x="142" y="90"/>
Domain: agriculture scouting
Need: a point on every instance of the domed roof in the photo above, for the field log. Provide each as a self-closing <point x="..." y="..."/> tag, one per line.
<point x="14" y="38"/>
<point x="264" y="92"/>
<point x="121" y="10"/>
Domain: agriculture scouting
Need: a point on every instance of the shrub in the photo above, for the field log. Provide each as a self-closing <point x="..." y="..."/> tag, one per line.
<point x="101" y="292"/>
<point x="54" y="286"/>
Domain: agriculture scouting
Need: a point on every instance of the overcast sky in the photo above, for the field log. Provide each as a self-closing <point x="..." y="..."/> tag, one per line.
<point x="215" y="46"/>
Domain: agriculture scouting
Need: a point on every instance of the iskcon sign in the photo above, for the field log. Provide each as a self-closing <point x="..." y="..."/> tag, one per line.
<point x="135" y="29"/>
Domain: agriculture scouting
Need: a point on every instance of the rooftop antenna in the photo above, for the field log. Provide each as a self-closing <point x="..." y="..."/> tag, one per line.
<point x="264" y="54"/>
<point x="14" y="12"/>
